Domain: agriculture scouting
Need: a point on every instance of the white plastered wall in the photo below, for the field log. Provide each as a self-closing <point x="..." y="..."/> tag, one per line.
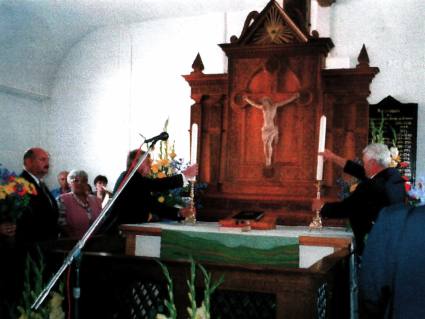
<point x="110" y="86"/>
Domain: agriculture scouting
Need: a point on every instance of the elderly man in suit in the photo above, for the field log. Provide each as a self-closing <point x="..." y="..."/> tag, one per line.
<point x="40" y="221"/>
<point x="379" y="186"/>
<point x="392" y="276"/>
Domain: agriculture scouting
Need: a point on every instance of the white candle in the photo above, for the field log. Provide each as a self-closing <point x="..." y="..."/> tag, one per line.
<point x="194" y="143"/>
<point x="322" y="138"/>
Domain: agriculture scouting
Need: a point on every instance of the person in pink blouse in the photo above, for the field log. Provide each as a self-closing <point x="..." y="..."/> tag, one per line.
<point x="77" y="209"/>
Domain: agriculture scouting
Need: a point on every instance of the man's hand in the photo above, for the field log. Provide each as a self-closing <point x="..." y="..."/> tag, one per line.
<point x="329" y="155"/>
<point x="7" y="229"/>
<point x="191" y="171"/>
<point x="187" y="211"/>
<point x="317" y="204"/>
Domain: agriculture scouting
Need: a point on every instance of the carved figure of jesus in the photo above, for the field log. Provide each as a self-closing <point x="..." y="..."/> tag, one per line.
<point x="269" y="131"/>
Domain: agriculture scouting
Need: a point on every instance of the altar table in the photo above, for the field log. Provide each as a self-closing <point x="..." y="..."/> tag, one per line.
<point x="147" y="240"/>
<point x="115" y="284"/>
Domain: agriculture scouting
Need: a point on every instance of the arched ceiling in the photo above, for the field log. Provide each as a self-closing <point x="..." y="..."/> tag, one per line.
<point x="35" y="35"/>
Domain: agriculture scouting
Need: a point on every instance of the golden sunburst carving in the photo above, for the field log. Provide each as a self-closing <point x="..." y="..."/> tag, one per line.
<point x="275" y="30"/>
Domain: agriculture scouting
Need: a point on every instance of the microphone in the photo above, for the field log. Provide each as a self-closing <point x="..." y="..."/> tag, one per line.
<point x="161" y="137"/>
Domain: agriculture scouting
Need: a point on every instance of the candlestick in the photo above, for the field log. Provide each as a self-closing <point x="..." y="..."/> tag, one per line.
<point x="321" y="148"/>
<point x="191" y="220"/>
<point x="317" y="220"/>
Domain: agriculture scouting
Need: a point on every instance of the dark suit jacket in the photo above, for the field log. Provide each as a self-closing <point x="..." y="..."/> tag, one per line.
<point x="40" y="220"/>
<point x="371" y="195"/>
<point x="136" y="202"/>
<point x="392" y="276"/>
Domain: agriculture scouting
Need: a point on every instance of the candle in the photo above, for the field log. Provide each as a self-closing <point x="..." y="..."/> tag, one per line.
<point x="194" y="143"/>
<point x="322" y="138"/>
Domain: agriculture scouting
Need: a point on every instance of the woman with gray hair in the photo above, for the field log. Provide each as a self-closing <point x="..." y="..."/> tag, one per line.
<point x="77" y="209"/>
<point x="379" y="186"/>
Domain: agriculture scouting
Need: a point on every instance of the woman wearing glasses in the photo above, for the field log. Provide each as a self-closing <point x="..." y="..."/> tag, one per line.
<point x="79" y="208"/>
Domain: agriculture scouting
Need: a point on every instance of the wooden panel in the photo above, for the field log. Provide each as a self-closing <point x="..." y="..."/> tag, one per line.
<point x="231" y="146"/>
<point x="109" y="282"/>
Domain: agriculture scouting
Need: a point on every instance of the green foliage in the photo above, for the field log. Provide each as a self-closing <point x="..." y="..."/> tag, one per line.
<point x="210" y="287"/>
<point x="193" y="311"/>
<point x="169" y="303"/>
<point x="377" y="132"/>
<point x="33" y="286"/>
<point x="192" y="293"/>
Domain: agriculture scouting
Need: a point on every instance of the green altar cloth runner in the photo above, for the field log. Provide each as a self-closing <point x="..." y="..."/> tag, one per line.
<point x="230" y="248"/>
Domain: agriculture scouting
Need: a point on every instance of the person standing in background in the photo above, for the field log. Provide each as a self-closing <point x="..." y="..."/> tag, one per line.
<point x="63" y="185"/>
<point x="39" y="222"/>
<point x="392" y="274"/>
<point x="100" y="182"/>
<point x="78" y="209"/>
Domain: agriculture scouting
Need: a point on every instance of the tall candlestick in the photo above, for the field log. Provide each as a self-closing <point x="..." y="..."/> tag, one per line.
<point x="322" y="138"/>
<point x="191" y="219"/>
<point x="194" y="144"/>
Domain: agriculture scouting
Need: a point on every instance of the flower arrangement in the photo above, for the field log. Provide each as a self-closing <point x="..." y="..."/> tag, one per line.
<point x="194" y="312"/>
<point x="33" y="286"/>
<point x="167" y="164"/>
<point x="15" y="195"/>
<point x="377" y="133"/>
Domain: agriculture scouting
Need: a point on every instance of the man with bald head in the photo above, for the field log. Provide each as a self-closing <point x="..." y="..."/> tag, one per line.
<point x="39" y="221"/>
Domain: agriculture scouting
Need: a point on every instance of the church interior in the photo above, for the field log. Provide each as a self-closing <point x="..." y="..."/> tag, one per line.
<point x="248" y="91"/>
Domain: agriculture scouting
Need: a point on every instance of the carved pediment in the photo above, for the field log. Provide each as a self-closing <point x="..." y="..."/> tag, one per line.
<point x="272" y="26"/>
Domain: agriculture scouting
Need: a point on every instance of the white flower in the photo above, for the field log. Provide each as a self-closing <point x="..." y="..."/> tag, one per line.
<point x="201" y="313"/>
<point x="394" y="152"/>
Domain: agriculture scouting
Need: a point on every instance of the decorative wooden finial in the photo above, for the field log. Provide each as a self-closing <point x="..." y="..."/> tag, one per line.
<point x="197" y="65"/>
<point x="363" y="58"/>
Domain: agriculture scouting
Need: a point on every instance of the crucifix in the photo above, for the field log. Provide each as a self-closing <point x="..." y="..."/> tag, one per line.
<point x="269" y="131"/>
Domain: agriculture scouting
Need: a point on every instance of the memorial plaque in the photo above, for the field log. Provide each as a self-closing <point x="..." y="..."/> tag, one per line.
<point x="400" y="120"/>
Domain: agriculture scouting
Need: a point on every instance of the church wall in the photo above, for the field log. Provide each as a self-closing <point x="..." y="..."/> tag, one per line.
<point x="21" y="127"/>
<point x="120" y="81"/>
<point x="393" y="33"/>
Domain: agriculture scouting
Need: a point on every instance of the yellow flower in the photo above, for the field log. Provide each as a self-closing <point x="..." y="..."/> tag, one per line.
<point x="154" y="168"/>
<point x="165" y="162"/>
<point x="56" y="300"/>
<point x="161" y="199"/>
<point x="31" y="189"/>
<point x="27" y="186"/>
<point x="56" y="311"/>
<point x="10" y="188"/>
<point x="2" y="193"/>
<point x="173" y="154"/>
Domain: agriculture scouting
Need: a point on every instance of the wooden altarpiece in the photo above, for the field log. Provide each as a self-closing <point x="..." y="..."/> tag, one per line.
<point x="276" y="65"/>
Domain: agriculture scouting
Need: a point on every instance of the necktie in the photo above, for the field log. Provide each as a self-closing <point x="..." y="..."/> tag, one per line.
<point x="46" y="192"/>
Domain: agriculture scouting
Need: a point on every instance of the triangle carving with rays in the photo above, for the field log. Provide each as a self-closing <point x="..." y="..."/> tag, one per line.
<point x="272" y="26"/>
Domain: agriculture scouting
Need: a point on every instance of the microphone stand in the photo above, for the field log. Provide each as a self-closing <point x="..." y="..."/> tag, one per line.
<point x="76" y="251"/>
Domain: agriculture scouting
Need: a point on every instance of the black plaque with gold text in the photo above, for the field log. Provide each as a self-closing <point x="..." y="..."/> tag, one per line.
<point x="401" y="119"/>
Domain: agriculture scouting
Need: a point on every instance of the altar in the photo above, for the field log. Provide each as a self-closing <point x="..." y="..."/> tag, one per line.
<point x="121" y="278"/>
<point x="208" y="241"/>
<point x="311" y="278"/>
